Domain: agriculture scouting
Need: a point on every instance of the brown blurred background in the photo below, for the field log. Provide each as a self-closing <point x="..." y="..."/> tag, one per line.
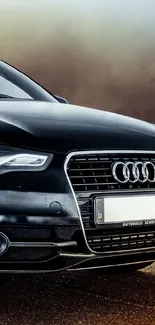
<point x="98" y="53"/>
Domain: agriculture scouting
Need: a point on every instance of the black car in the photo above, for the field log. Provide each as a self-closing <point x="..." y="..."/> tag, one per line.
<point x="77" y="185"/>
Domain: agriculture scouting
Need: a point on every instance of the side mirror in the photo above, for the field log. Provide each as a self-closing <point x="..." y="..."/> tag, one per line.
<point x="61" y="99"/>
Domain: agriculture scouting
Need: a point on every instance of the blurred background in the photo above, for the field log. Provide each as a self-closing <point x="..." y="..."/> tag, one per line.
<point x="97" y="53"/>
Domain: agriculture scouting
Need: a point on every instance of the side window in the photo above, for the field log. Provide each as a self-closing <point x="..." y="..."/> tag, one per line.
<point x="9" y="89"/>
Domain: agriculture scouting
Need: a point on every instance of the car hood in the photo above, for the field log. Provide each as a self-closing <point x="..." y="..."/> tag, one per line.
<point x="64" y="128"/>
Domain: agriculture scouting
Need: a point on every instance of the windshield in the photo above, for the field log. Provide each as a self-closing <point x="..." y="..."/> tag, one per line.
<point x="15" y="84"/>
<point x="9" y="89"/>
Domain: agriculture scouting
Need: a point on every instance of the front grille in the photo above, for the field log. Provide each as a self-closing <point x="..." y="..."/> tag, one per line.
<point x="90" y="175"/>
<point x="111" y="241"/>
<point x="93" y="172"/>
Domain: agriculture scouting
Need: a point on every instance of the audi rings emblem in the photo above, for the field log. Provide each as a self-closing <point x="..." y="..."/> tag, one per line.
<point x="134" y="172"/>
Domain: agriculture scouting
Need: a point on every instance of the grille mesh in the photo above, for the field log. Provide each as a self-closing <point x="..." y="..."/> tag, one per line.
<point x="94" y="172"/>
<point x="26" y="254"/>
<point x="120" y="240"/>
<point x="91" y="174"/>
<point x="28" y="234"/>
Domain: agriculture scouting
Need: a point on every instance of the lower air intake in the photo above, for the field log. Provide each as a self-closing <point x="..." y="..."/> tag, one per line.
<point x="110" y="241"/>
<point x="26" y="235"/>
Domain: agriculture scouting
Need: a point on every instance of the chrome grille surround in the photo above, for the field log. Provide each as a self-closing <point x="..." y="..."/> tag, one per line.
<point x="109" y="190"/>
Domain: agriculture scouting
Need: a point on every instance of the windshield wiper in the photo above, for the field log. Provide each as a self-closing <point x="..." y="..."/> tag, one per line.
<point x="11" y="97"/>
<point x="6" y="96"/>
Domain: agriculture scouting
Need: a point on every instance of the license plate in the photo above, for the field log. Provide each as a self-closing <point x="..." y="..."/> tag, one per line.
<point x="124" y="208"/>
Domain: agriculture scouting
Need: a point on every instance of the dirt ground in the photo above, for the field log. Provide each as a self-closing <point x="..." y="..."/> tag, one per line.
<point x="78" y="298"/>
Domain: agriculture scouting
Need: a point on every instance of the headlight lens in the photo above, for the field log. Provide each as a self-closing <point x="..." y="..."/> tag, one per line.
<point x="24" y="160"/>
<point x="12" y="159"/>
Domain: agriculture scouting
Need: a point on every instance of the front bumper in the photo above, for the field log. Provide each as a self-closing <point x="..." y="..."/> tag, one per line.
<point x="28" y="252"/>
<point x="42" y="239"/>
<point x="51" y="242"/>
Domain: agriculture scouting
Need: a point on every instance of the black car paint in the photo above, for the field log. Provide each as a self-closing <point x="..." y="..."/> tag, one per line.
<point x="43" y="125"/>
<point x="46" y="125"/>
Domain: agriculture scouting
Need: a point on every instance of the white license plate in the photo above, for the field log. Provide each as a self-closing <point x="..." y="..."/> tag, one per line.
<point x="129" y="208"/>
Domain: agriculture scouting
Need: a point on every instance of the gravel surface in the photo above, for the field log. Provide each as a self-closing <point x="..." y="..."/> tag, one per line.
<point x="78" y="298"/>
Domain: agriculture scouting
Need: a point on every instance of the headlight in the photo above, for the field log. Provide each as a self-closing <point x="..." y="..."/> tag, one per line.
<point x="12" y="159"/>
